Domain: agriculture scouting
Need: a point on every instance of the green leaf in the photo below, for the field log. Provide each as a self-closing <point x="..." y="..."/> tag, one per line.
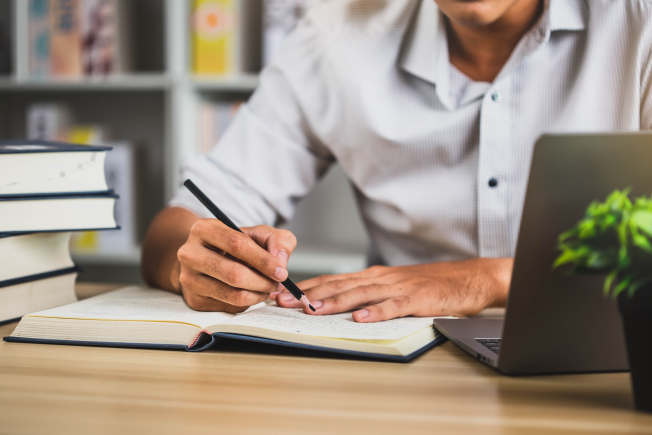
<point x="567" y="235"/>
<point x="600" y="259"/>
<point x="609" y="281"/>
<point x="643" y="220"/>
<point x="642" y="243"/>
<point x="622" y="285"/>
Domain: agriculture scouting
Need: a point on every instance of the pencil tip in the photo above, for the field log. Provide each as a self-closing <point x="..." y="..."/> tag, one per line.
<point x="312" y="308"/>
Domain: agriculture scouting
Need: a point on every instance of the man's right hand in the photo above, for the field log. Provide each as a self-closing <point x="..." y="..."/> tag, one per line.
<point x="221" y="269"/>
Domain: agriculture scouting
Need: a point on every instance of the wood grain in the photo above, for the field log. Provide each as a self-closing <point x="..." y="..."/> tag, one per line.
<point x="244" y="388"/>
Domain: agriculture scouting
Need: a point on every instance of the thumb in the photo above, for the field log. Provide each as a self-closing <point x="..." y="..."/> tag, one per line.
<point x="279" y="243"/>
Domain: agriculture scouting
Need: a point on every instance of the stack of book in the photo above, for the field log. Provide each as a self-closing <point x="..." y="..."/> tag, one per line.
<point x="47" y="190"/>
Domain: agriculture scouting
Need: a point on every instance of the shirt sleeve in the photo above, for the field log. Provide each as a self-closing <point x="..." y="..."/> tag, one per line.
<point x="269" y="158"/>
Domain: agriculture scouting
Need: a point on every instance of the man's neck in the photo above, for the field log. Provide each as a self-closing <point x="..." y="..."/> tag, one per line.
<point x="481" y="52"/>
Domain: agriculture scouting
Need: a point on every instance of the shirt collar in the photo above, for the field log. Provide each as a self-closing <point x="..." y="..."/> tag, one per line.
<point x="568" y="15"/>
<point x="424" y="52"/>
<point x="425" y="48"/>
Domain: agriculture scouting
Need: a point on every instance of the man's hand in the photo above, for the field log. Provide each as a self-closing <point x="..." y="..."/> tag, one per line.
<point x="458" y="288"/>
<point x="221" y="269"/>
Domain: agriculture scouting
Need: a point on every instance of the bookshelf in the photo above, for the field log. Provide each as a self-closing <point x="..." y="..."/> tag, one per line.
<point x="154" y="107"/>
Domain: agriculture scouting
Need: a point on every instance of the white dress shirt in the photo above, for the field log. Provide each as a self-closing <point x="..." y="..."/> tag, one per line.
<point x="368" y="84"/>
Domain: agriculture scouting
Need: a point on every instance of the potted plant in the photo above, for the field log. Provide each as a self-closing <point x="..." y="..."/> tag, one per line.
<point x="615" y="238"/>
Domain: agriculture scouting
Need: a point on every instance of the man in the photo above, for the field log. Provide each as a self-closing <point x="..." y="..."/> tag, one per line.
<point x="432" y="108"/>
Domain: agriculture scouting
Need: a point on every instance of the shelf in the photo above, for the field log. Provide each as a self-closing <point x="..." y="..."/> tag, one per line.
<point x="130" y="82"/>
<point x="242" y="83"/>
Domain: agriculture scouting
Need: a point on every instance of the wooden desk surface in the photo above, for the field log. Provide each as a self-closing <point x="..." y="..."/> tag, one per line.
<point x="243" y="389"/>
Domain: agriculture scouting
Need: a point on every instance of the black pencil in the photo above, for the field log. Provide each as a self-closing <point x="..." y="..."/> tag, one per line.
<point x="219" y="214"/>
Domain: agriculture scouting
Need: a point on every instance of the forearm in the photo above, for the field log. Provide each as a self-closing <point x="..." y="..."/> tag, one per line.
<point x="167" y="233"/>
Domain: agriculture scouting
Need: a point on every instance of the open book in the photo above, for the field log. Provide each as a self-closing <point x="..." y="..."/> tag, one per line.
<point x="139" y="317"/>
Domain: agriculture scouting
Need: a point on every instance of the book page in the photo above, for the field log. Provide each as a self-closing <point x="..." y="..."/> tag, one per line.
<point x="136" y="304"/>
<point x="333" y="326"/>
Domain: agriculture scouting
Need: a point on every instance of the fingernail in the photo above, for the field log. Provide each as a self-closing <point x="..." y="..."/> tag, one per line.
<point x="282" y="257"/>
<point x="362" y="314"/>
<point x="286" y="297"/>
<point x="273" y="295"/>
<point x="281" y="274"/>
<point x="317" y="304"/>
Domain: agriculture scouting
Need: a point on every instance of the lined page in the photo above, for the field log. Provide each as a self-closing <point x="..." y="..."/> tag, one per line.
<point x="334" y="326"/>
<point x="133" y="304"/>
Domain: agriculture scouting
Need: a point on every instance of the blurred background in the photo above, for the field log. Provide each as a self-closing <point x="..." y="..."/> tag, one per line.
<point x="157" y="80"/>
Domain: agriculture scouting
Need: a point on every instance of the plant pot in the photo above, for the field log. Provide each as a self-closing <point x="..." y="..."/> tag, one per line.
<point x="636" y="312"/>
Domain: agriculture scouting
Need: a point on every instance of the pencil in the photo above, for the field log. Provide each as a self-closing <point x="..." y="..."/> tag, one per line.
<point x="219" y="214"/>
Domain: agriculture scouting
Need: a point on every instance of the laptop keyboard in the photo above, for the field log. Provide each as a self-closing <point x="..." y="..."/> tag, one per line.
<point x="493" y="344"/>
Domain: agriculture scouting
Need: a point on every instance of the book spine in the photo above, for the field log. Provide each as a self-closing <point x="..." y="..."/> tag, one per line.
<point x="214" y="37"/>
<point x="39" y="38"/>
<point x="65" y="38"/>
<point x="105" y="37"/>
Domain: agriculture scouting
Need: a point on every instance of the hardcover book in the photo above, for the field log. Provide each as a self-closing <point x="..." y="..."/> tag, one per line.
<point x="19" y="214"/>
<point x="26" y="294"/>
<point x="149" y="318"/>
<point x="33" y="254"/>
<point x="37" y="167"/>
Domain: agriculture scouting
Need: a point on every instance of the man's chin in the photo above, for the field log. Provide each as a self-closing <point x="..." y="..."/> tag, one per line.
<point x="471" y="13"/>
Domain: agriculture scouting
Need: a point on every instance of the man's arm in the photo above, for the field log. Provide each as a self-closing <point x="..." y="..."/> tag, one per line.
<point x="167" y="233"/>
<point x="266" y="161"/>
<point x="456" y="288"/>
<point x="214" y="267"/>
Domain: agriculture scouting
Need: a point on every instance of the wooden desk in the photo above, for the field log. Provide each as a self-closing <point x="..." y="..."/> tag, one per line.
<point x="244" y="389"/>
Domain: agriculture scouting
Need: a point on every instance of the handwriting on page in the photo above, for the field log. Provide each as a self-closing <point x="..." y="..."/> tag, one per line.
<point x="335" y="326"/>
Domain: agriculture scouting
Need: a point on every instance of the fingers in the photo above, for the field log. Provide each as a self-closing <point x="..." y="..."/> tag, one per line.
<point x="237" y="275"/>
<point x="389" y="309"/>
<point x="371" y="272"/>
<point x="326" y="290"/>
<point x="217" y="235"/>
<point x="279" y="243"/>
<point x="355" y="298"/>
<point x="203" y="293"/>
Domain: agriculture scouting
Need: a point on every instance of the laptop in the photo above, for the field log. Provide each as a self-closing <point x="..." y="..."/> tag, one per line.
<point x="555" y="323"/>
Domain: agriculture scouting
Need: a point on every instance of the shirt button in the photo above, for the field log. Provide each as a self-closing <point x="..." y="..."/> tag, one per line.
<point x="495" y="96"/>
<point x="493" y="182"/>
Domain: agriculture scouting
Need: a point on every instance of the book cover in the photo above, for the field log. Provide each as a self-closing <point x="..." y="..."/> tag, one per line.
<point x="65" y="38"/>
<point x="39" y="38"/>
<point x="214" y="37"/>
<point x="46" y="146"/>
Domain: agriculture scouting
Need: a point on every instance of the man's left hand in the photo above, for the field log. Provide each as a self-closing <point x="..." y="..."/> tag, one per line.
<point x="457" y="288"/>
